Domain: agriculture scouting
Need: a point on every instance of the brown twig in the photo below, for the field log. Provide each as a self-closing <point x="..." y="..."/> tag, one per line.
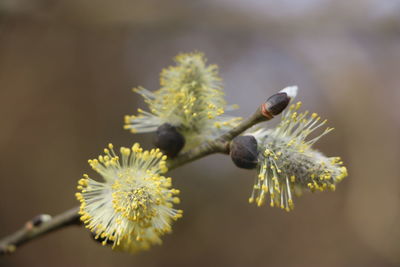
<point x="29" y="232"/>
<point x="220" y="145"/>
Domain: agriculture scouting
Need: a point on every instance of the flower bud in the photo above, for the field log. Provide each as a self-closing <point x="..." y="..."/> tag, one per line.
<point x="169" y="140"/>
<point x="244" y="152"/>
<point x="37" y="221"/>
<point x="279" y="101"/>
<point x="41" y="218"/>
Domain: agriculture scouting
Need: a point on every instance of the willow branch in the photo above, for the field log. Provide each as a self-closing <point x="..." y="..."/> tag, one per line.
<point x="29" y="231"/>
<point x="220" y="145"/>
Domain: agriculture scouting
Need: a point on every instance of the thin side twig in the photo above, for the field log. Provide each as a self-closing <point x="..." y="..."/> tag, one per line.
<point x="30" y="232"/>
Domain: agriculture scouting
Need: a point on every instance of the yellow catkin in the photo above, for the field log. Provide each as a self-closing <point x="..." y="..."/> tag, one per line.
<point x="293" y="166"/>
<point x="133" y="207"/>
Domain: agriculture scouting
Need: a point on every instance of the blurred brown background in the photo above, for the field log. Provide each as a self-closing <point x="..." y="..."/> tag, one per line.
<point x="66" y="70"/>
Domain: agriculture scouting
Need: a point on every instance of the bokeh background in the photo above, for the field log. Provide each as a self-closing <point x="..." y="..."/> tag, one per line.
<point x="66" y="73"/>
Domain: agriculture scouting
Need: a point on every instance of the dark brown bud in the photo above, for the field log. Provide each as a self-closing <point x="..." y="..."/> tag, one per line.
<point x="169" y="140"/>
<point x="276" y="103"/>
<point x="244" y="152"/>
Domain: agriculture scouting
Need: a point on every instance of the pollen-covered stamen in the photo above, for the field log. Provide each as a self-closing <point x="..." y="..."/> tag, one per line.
<point x="271" y="180"/>
<point x="134" y="206"/>
<point x="289" y="165"/>
<point x="190" y="98"/>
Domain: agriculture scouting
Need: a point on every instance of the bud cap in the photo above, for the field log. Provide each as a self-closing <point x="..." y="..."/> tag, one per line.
<point x="244" y="152"/>
<point x="278" y="102"/>
<point x="169" y="140"/>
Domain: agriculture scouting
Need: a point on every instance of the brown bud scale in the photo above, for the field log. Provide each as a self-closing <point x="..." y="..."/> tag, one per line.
<point x="244" y="152"/>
